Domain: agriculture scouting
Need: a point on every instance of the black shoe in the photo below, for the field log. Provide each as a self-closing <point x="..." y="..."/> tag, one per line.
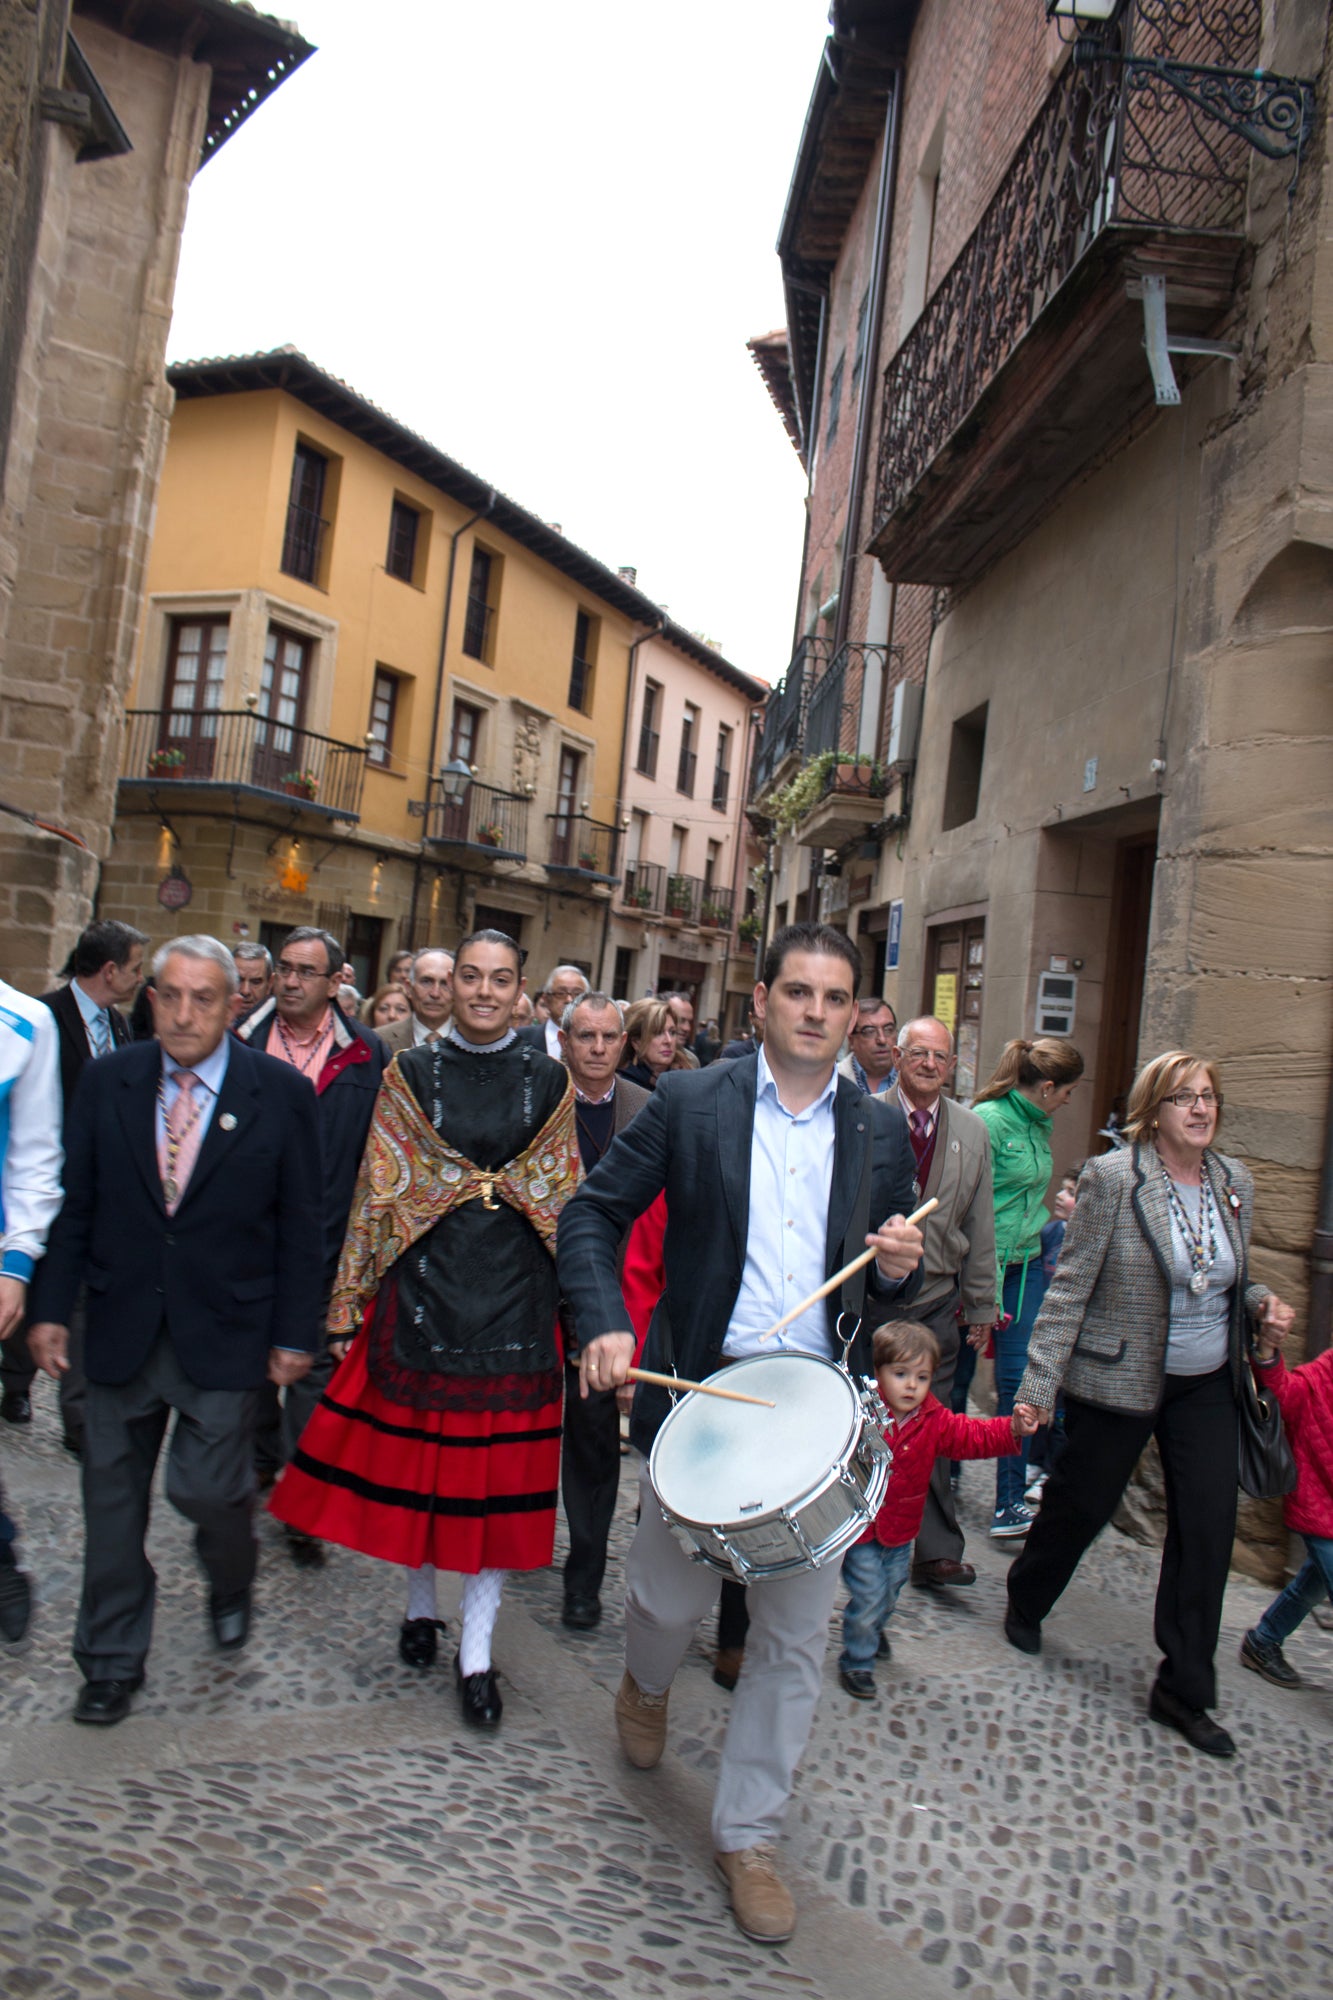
<point x="74" y="1446"/>
<point x="883" y="1650"/>
<point x="582" y="1612"/>
<point x="727" y="1664"/>
<point x="1027" y="1638"/>
<point x="15" y="1603"/>
<point x="417" y="1643"/>
<point x="105" y="1702"/>
<point x="230" y="1616"/>
<point x="304" y="1550"/>
<point x="859" y="1684"/>
<point x="479" y="1697"/>
<point x="16" y="1406"/>
<point x="1195" y="1724"/>
<point x="1265" y="1656"/>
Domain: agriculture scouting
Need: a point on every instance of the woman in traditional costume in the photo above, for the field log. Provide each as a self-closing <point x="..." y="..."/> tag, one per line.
<point x="437" y="1443"/>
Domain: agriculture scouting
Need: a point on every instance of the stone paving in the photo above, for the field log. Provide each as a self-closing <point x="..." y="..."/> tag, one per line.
<point x="310" y="1819"/>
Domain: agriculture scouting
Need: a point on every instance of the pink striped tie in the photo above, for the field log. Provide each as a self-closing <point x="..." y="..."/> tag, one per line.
<point x="179" y="1148"/>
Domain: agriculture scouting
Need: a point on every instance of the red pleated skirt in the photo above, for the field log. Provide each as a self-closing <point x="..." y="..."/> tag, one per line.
<point x="466" y="1490"/>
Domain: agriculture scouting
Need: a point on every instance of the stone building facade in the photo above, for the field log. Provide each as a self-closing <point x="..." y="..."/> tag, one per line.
<point x="1080" y="662"/>
<point x="113" y="108"/>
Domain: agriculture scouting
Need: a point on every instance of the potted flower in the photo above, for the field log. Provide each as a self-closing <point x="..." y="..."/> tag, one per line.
<point x="641" y="897"/>
<point x="678" y="897"/>
<point x="587" y="861"/>
<point x="165" y="763"/>
<point x="492" y="834"/>
<point x="747" y="930"/>
<point x="712" y="915"/>
<point x="301" y="784"/>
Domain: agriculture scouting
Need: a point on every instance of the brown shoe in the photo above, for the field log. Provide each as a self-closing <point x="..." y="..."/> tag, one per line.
<point x="943" y="1572"/>
<point x="760" y="1900"/>
<point x="641" y="1723"/>
<point x="727" y="1666"/>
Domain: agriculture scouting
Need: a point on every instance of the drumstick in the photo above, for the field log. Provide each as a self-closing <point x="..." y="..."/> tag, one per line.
<point x="700" y="1388"/>
<point x="831" y="1284"/>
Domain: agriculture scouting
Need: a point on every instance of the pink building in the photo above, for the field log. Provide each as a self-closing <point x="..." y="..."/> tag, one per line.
<point x="691" y="719"/>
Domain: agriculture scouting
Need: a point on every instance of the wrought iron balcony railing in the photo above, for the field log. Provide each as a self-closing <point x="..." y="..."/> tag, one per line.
<point x="492" y="822"/>
<point x="1111" y="148"/>
<point x="303" y="542"/>
<point x="717" y="906"/>
<point x="784" y="712"/>
<point x="644" y="888"/>
<point x="236" y="750"/>
<point x="582" y="846"/>
<point x="846" y="703"/>
<point x="684" y="894"/>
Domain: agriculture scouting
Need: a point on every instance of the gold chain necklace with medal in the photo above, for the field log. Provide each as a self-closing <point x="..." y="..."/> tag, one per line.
<point x="175" y="1140"/>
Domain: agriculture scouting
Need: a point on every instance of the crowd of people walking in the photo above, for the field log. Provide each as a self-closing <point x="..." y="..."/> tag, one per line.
<point x="404" y="1264"/>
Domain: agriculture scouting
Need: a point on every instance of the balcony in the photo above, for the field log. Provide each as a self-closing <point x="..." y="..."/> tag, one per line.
<point x="303" y="543"/>
<point x="784" y="713"/>
<point x="242" y="753"/>
<point x="717" y="907"/>
<point x="644" y="888"/>
<point x="587" y="849"/>
<point x="852" y="801"/>
<point x="1028" y="359"/>
<point x="488" y="824"/>
<point x="684" y="894"/>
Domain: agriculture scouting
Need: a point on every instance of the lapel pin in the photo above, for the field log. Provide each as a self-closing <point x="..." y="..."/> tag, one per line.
<point x="228" y="1121"/>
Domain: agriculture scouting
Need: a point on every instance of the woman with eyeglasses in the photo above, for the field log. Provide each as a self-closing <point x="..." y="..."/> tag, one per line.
<point x="1143" y="1327"/>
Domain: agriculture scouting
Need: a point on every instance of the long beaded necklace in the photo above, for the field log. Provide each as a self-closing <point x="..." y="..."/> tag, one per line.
<point x="1201" y="1262"/>
<point x="293" y="1048"/>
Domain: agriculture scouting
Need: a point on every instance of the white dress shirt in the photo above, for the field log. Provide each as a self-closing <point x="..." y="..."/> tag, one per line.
<point x="421" y="1034"/>
<point x="93" y="1018"/>
<point x="210" y="1073"/>
<point x="791" y="1177"/>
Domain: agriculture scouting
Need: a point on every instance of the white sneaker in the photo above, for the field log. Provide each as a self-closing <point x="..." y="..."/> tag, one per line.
<point x="1034" y="1488"/>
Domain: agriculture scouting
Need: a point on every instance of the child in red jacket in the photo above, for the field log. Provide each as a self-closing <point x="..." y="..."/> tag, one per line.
<point x="919" y="1431"/>
<point x="1305" y="1398"/>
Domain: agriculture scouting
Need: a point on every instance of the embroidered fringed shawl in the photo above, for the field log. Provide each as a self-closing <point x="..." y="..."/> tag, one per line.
<point x="410" y="1177"/>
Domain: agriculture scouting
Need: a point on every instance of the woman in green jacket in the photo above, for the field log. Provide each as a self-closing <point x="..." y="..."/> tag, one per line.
<point x="1031" y="1083"/>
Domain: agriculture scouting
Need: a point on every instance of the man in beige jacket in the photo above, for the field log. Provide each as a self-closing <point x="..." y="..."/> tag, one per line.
<point x="952" y="1151"/>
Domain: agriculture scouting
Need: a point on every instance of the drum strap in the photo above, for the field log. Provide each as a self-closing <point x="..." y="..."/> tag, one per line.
<point x="851" y="1300"/>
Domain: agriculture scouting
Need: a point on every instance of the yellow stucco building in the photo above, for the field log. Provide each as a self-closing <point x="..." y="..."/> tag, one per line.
<point x="336" y="613"/>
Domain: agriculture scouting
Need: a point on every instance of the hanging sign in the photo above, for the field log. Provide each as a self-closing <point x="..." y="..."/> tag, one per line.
<point x="175" y="889"/>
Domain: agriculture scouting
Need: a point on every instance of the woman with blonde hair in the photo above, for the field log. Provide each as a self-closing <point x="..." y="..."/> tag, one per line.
<point x="1143" y="1328"/>
<point x="386" y="1005"/>
<point x="651" y="1047"/>
<point x="1031" y="1083"/>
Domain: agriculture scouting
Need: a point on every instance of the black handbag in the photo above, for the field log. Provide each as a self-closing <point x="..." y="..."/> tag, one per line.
<point x="1265" y="1465"/>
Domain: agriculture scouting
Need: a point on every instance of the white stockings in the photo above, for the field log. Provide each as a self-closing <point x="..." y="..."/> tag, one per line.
<point x="481" y="1605"/>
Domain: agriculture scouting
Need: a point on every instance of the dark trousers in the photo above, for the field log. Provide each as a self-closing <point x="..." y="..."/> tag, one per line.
<point x="1195" y="1430"/>
<point x="939" y="1537"/>
<point x="210" y="1480"/>
<point x="17" y="1369"/>
<point x="589" y="1482"/>
<point x="282" y="1414"/>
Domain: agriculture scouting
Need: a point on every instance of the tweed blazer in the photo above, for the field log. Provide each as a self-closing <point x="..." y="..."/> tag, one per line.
<point x="960" y="1235"/>
<point x="1102" y="1330"/>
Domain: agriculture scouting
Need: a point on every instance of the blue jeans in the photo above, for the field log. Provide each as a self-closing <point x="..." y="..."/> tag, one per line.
<point x="1312" y="1583"/>
<point x="873" y="1575"/>
<point x="1011" y="1358"/>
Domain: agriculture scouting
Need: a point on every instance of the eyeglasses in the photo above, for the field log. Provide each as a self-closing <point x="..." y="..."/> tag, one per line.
<point x="920" y="1058"/>
<point x="869" y="1034"/>
<point x="1185" y="1100"/>
<point x="286" y="970"/>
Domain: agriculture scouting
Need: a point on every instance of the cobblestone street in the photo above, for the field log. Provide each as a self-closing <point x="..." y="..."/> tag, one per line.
<point x="310" y="1819"/>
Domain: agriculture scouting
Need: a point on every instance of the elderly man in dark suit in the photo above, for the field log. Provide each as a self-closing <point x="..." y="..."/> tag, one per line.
<point x="763" y="1161"/>
<point x="592" y="1041"/>
<point x="192" y="1213"/>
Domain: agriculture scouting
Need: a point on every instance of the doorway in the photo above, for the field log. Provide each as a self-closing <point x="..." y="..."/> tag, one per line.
<point x="955" y="981"/>
<point x="1127" y="960"/>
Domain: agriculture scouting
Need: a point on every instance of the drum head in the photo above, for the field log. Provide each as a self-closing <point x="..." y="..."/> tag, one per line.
<point x="716" y="1462"/>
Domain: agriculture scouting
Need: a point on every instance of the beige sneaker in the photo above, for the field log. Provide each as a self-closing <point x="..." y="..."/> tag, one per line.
<point x="641" y="1721"/>
<point x="760" y="1900"/>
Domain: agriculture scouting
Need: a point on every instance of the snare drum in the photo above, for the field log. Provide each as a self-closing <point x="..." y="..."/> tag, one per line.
<point x="760" y="1493"/>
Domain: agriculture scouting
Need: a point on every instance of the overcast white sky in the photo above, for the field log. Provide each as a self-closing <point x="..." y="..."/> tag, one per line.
<point x="541" y="234"/>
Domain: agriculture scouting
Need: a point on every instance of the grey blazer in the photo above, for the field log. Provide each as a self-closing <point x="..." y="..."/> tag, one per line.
<point x="1102" y="1330"/>
<point x="960" y="1235"/>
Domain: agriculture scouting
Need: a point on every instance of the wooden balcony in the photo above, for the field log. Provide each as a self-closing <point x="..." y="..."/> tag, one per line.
<point x="1028" y="359"/>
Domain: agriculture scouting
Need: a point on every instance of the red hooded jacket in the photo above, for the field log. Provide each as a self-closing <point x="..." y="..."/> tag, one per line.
<point x="1305" y="1398"/>
<point x="929" y="1433"/>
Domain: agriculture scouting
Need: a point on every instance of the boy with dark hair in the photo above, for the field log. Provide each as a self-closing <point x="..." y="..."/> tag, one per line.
<point x="918" y="1430"/>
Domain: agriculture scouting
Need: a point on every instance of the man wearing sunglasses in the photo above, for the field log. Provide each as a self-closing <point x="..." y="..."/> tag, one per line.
<point x="342" y="1061"/>
<point x="953" y="1164"/>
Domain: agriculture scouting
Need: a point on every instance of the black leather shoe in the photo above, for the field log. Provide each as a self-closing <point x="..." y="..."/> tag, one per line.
<point x="304" y="1550"/>
<point x="582" y="1612"/>
<point x="105" y="1702"/>
<point x="1194" y="1724"/>
<point x="859" y="1684"/>
<point x="15" y="1603"/>
<point x="16" y="1406"/>
<point x="231" y="1619"/>
<point x="479" y="1697"/>
<point x="417" y="1643"/>
<point x="1027" y="1638"/>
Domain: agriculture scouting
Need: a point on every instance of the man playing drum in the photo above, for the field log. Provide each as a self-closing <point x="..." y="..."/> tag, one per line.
<point x="762" y="1160"/>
